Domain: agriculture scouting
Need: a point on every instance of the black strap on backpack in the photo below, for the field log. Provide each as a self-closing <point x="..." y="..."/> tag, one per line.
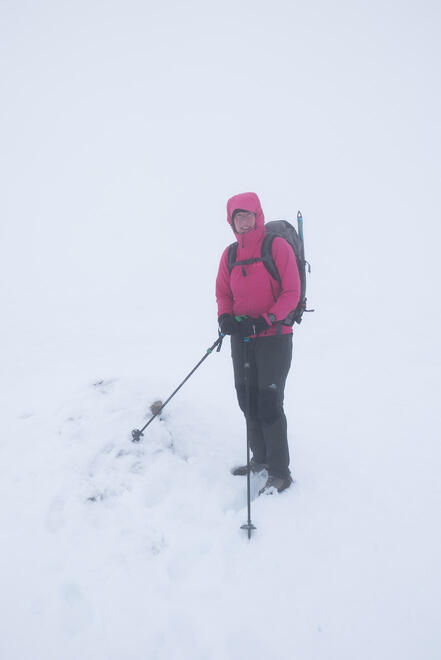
<point x="232" y="254"/>
<point x="267" y="257"/>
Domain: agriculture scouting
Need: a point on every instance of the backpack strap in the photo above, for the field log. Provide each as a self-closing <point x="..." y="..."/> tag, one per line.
<point x="232" y="255"/>
<point x="267" y="257"/>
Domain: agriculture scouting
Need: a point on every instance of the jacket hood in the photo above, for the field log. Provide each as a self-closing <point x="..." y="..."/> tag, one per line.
<point x="248" y="201"/>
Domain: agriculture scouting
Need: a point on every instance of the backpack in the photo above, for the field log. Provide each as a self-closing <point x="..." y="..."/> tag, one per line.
<point x="285" y="230"/>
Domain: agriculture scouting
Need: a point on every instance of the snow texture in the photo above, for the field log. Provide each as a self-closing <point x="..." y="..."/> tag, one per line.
<point x="124" y="129"/>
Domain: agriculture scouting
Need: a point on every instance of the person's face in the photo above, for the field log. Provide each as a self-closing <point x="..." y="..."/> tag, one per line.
<point x="244" y="221"/>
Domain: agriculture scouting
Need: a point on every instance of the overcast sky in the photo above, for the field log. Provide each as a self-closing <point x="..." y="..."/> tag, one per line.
<point x="126" y="126"/>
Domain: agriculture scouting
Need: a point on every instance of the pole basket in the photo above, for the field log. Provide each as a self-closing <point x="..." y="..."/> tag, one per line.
<point x="249" y="527"/>
<point x="136" y="435"/>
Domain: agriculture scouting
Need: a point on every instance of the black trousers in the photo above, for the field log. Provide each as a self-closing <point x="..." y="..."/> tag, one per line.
<point x="269" y="360"/>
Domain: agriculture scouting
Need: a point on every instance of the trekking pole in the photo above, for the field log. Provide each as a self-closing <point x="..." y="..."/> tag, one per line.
<point x="138" y="433"/>
<point x="248" y="525"/>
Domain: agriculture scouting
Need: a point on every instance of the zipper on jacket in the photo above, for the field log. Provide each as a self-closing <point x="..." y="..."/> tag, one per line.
<point x="244" y="272"/>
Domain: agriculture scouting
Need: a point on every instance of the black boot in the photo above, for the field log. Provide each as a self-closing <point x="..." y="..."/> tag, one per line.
<point x="242" y="470"/>
<point x="276" y="483"/>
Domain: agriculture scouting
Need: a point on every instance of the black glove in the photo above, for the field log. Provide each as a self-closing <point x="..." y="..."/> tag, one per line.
<point x="249" y="326"/>
<point x="228" y="325"/>
<point x="261" y="325"/>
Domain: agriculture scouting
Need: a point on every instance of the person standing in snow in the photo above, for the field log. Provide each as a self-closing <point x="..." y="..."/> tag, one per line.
<point x="249" y="290"/>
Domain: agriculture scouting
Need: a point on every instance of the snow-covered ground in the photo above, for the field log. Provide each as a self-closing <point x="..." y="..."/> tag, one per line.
<point x="124" y="129"/>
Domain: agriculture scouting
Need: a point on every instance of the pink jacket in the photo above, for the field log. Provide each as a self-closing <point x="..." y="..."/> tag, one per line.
<point x="256" y="293"/>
